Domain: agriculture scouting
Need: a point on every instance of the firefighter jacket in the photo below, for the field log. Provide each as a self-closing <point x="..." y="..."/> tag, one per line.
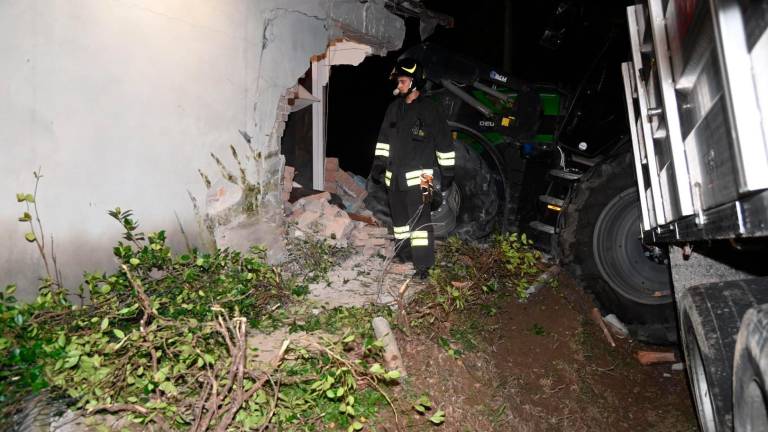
<point x="414" y="139"/>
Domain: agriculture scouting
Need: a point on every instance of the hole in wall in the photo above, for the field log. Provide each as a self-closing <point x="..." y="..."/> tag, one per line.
<point x="358" y="96"/>
<point x="296" y="143"/>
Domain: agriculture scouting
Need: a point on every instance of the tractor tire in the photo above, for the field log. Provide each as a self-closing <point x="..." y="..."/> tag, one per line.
<point x="476" y="195"/>
<point x="750" y="372"/>
<point x="480" y="191"/>
<point x="599" y="244"/>
<point x="376" y="200"/>
<point x="710" y="317"/>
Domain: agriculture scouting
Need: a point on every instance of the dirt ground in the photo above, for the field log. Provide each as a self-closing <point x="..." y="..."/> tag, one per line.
<point x="541" y="366"/>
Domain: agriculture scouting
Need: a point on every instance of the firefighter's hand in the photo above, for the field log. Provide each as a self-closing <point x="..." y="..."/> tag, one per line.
<point x="377" y="173"/>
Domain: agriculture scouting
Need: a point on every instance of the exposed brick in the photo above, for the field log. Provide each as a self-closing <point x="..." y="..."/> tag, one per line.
<point x="305" y="221"/>
<point x="378" y="242"/>
<point x="288" y="174"/>
<point x="322" y="196"/>
<point x="378" y="232"/>
<point x="348" y="184"/>
<point x="331" y="164"/>
<point x="330" y="176"/>
<point x="337" y="228"/>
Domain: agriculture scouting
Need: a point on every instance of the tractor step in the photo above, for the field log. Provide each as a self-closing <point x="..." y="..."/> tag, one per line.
<point x="541" y="226"/>
<point x="567" y="175"/>
<point x="549" y="199"/>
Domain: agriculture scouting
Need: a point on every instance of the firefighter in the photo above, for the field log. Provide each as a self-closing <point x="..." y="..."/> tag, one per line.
<point x="414" y="142"/>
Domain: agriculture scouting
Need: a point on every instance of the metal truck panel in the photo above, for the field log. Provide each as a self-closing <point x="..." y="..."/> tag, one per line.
<point x="709" y="154"/>
<point x="637" y="34"/>
<point x="678" y="172"/>
<point x="629" y="91"/>
<point x="706" y="87"/>
<point x="702" y="117"/>
<point x="759" y="72"/>
<point x="743" y="110"/>
<point x="737" y="219"/>
<point x="649" y="198"/>
<point x="691" y="37"/>
<point x="667" y="180"/>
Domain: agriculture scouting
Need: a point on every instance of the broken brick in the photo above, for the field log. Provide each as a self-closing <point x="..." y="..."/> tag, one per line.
<point x="331" y="164"/>
<point x="349" y="185"/>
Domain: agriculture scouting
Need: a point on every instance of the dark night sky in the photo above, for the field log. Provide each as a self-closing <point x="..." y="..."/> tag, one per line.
<point x="359" y="95"/>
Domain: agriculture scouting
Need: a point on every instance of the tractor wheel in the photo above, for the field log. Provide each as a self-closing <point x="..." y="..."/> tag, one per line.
<point x="477" y="193"/>
<point x="600" y="245"/>
<point x="480" y="190"/>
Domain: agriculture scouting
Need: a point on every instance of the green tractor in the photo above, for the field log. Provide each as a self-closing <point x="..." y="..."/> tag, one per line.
<point x="555" y="165"/>
<point x="499" y="125"/>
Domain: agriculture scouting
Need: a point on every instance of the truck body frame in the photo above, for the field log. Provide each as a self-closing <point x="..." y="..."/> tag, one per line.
<point x="697" y="106"/>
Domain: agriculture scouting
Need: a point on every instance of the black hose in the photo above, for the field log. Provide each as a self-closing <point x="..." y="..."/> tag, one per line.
<point x="497" y="160"/>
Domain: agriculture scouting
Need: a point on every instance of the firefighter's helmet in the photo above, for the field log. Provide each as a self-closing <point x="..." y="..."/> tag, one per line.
<point x="408" y="67"/>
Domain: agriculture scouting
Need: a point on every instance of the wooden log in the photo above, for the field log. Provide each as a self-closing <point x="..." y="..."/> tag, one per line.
<point x="598" y="319"/>
<point x="654" y="357"/>
<point x="362" y="218"/>
<point x="392" y="358"/>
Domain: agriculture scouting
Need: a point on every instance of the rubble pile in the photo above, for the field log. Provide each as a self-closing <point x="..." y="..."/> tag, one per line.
<point x="367" y="276"/>
<point x="314" y="215"/>
<point x="362" y="280"/>
<point x="349" y="187"/>
<point x="317" y="215"/>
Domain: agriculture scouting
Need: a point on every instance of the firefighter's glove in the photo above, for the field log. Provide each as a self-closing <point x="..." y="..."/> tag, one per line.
<point x="437" y="200"/>
<point x="427" y="189"/>
<point x="377" y="173"/>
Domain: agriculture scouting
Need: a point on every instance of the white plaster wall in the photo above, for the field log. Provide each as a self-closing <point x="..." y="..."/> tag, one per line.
<point x="121" y="101"/>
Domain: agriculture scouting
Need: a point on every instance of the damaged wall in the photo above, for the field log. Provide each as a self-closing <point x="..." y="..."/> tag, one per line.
<point x="122" y="102"/>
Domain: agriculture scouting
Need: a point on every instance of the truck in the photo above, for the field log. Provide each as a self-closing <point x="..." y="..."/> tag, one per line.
<point x="696" y="91"/>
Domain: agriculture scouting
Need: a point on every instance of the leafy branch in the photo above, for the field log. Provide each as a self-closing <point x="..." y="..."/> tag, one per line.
<point x="163" y="341"/>
<point x="36" y="234"/>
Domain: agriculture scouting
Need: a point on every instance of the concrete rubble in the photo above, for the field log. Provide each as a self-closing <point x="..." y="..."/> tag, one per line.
<point x="349" y="187"/>
<point x="368" y="276"/>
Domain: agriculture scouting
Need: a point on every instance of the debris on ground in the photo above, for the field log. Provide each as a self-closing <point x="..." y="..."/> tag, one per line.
<point x="653" y="357"/>
<point x="224" y="339"/>
<point x="314" y="215"/>
<point x="392" y="358"/>
<point x="543" y="280"/>
<point x="617" y="327"/>
<point x="366" y="273"/>
<point x="598" y="319"/>
<point x="350" y="187"/>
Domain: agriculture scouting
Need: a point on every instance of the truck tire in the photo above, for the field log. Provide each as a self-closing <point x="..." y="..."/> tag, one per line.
<point x="710" y="316"/>
<point x="599" y="244"/>
<point x="750" y="372"/>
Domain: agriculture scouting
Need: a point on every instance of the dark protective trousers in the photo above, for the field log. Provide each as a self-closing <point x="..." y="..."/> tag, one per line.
<point x="416" y="238"/>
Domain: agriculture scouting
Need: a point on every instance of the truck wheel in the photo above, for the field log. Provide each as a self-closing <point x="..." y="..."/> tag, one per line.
<point x="710" y="316"/>
<point x="750" y="373"/>
<point x="599" y="244"/>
